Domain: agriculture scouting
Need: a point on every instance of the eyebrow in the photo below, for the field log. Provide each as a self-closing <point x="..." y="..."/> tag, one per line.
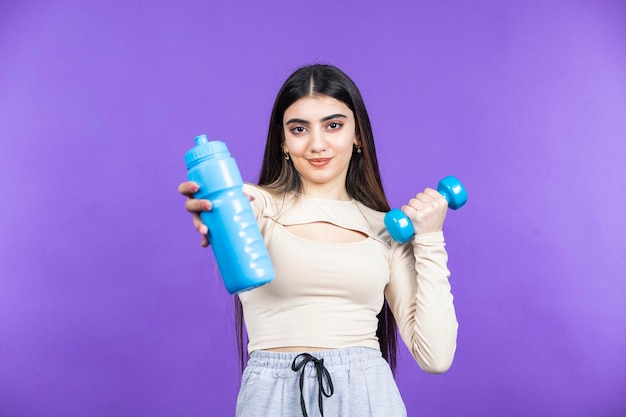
<point x="324" y="119"/>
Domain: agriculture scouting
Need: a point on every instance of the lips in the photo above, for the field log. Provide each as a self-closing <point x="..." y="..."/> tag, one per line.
<point x="319" y="162"/>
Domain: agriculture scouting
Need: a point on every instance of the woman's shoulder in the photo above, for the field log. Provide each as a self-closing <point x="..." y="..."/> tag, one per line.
<point x="375" y="218"/>
<point x="378" y="217"/>
<point x="255" y="190"/>
<point x="264" y="200"/>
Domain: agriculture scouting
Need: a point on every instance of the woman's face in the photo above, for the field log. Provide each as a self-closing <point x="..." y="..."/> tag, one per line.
<point x="320" y="133"/>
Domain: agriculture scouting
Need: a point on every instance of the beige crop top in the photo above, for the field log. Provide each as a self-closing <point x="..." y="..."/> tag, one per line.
<point x="328" y="295"/>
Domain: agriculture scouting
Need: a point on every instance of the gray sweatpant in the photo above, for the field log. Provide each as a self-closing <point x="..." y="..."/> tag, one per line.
<point x="362" y="385"/>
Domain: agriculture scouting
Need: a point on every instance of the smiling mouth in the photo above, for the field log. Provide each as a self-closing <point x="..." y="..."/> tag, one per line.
<point x="319" y="162"/>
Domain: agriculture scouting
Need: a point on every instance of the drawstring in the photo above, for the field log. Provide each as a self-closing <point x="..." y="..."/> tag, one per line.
<point x="322" y="373"/>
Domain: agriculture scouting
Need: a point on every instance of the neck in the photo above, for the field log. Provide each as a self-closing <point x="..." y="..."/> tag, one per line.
<point x="327" y="191"/>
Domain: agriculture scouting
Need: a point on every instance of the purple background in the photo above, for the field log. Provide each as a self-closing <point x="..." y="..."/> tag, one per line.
<point x="108" y="304"/>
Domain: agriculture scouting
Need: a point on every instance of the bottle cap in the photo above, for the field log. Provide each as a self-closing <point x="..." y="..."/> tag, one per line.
<point x="205" y="149"/>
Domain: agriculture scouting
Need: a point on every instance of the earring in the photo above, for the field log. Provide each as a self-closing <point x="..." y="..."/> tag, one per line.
<point x="286" y="156"/>
<point x="358" y="148"/>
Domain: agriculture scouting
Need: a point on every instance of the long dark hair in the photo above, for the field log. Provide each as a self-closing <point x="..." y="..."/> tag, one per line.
<point x="363" y="181"/>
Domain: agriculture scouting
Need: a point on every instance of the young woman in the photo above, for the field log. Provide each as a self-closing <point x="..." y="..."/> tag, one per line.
<point x="322" y="335"/>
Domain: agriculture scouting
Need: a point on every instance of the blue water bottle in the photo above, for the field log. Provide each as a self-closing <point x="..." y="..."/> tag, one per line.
<point x="234" y="234"/>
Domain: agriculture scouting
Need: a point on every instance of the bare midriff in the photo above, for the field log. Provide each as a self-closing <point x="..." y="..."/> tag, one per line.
<point x="296" y="349"/>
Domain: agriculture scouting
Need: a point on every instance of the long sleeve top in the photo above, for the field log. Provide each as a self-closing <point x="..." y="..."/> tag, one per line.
<point x="328" y="295"/>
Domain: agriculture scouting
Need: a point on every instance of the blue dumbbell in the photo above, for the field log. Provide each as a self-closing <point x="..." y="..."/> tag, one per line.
<point x="399" y="225"/>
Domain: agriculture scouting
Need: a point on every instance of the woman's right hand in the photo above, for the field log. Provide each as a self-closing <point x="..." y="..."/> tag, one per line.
<point x="195" y="207"/>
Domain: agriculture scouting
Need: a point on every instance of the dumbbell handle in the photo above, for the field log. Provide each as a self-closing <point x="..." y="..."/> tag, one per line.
<point x="399" y="225"/>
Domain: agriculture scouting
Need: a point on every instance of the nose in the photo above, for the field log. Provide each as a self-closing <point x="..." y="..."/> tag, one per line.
<point x="318" y="141"/>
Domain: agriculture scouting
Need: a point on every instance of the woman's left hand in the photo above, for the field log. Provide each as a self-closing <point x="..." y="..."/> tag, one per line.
<point x="427" y="211"/>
